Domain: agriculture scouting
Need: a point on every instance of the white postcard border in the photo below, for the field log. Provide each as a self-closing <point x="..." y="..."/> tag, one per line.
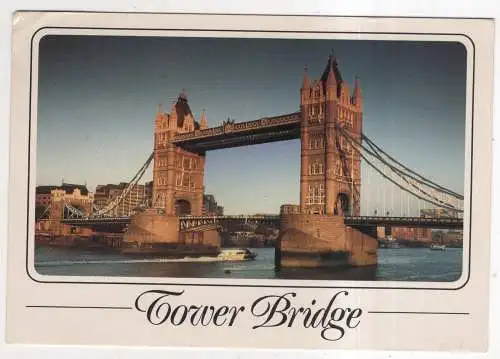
<point x="451" y="312"/>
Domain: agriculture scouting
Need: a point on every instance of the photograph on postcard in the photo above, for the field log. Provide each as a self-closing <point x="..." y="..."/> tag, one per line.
<point x="255" y="158"/>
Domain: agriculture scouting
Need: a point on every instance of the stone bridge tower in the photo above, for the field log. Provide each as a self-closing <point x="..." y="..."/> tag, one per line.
<point x="330" y="180"/>
<point x="178" y="188"/>
<point x="177" y="174"/>
<point x="74" y="195"/>
<point x="330" y="177"/>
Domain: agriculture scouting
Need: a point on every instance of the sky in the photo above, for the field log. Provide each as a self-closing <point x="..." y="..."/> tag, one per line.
<point x="98" y="97"/>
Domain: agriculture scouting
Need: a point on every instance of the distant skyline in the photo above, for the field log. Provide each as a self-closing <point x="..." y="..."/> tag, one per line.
<point x="98" y="97"/>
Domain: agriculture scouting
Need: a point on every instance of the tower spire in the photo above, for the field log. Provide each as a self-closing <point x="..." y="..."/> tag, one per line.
<point x="305" y="80"/>
<point x="203" y="121"/>
<point x="331" y="80"/>
<point x="358" y="100"/>
<point x="160" y="109"/>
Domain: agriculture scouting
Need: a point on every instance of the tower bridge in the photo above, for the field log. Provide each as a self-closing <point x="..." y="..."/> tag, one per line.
<point x="327" y="218"/>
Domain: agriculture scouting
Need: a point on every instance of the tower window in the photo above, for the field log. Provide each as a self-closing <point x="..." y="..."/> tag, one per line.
<point x="316" y="194"/>
<point x="316" y="168"/>
<point x="316" y="141"/>
<point x="338" y="168"/>
<point x="349" y="120"/>
<point x="185" y="181"/>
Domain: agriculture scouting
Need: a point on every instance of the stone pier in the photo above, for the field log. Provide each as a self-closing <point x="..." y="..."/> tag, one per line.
<point x="153" y="232"/>
<point x="323" y="241"/>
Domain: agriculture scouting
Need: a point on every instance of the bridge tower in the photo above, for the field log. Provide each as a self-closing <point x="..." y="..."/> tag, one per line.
<point x="75" y="195"/>
<point x="177" y="174"/>
<point x="177" y="191"/>
<point x="330" y="177"/>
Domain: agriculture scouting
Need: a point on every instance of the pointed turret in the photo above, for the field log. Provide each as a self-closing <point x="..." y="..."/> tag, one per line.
<point x="181" y="108"/>
<point x="345" y="93"/>
<point x="159" y="110"/>
<point x="305" y="90"/>
<point x="173" y="116"/>
<point x="356" y="96"/>
<point x="305" y="80"/>
<point x="331" y="75"/>
<point x="331" y="80"/>
<point x="203" y="121"/>
<point x="160" y="115"/>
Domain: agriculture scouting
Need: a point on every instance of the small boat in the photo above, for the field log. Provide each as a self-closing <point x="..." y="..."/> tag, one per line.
<point x="238" y="254"/>
<point x="437" y="247"/>
<point x="393" y="244"/>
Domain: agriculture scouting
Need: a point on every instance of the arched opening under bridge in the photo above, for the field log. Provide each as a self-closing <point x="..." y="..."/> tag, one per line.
<point x="342" y="206"/>
<point x="182" y="207"/>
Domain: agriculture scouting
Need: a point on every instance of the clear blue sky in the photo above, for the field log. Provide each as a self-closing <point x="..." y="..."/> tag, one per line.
<point x="98" y="97"/>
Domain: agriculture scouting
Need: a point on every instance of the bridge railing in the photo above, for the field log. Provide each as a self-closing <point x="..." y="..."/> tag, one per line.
<point x="187" y="222"/>
<point x="238" y="127"/>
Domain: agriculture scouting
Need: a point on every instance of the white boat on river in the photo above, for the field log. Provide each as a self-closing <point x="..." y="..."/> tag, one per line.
<point x="236" y="254"/>
<point x="437" y="247"/>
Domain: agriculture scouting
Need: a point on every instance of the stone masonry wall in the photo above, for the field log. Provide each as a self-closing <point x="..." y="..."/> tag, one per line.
<point x="153" y="227"/>
<point x="325" y="232"/>
<point x="310" y="240"/>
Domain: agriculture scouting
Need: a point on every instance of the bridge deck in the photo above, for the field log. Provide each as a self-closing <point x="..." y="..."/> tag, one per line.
<point x="427" y="222"/>
<point x="361" y="221"/>
<point x="271" y="129"/>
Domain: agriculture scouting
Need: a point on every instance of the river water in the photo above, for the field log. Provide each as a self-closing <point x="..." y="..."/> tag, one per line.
<point x="397" y="264"/>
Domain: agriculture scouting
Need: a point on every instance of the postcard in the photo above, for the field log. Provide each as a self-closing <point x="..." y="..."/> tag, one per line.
<point x="250" y="181"/>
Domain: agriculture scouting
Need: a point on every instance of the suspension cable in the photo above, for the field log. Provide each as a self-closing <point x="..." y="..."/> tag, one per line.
<point x="402" y="174"/>
<point x="444" y="189"/>
<point x="43" y="213"/>
<point x="405" y="189"/>
<point x="110" y="206"/>
<point x="433" y="200"/>
<point x="418" y="178"/>
<point x="127" y="189"/>
<point x="399" y="173"/>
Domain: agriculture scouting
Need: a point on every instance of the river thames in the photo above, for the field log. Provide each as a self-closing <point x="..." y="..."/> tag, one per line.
<point x="398" y="264"/>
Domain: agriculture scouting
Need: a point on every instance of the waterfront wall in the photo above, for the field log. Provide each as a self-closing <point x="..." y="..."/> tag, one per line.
<point x="58" y="229"/>
<point x="362" y="246"/>
<point x="312" y="240"/>
<point x="153" y="226"/>
<point x="208" y="236"/>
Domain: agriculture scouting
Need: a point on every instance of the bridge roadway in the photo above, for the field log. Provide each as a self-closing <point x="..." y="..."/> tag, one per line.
<point x="187" y="222"/>
<point x="235" y="134"/>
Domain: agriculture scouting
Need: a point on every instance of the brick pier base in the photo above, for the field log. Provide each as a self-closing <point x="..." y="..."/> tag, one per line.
<point x="321" y="241"/>
<point x="155" y="233"/>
